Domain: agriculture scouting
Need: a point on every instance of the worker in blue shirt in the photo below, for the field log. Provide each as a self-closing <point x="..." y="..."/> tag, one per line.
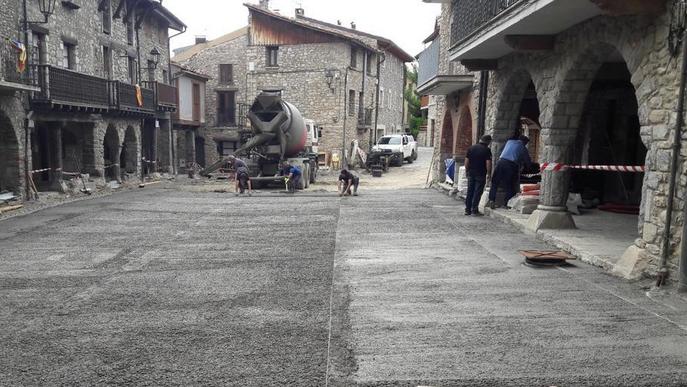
<point x="293" y="174"/>
<point x="514" y="156"/>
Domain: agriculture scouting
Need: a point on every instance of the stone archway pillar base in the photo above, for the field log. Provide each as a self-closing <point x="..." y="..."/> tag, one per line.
<point x="632" y="264"/>
<point x="545" y="217"/>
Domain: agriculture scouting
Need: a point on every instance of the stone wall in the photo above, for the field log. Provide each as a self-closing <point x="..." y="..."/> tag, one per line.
<point x="562" y="79"/>
<point x="12" y="155"/>
<point x="207" y="62"/>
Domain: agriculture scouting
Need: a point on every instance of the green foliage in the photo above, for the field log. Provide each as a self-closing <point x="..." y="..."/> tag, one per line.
<point x="414" y="104"/>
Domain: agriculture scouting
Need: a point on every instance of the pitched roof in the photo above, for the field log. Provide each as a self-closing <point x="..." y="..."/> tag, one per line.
<point x="195" y="49"/>
<point x="383" y="42"/>
<point x="310" y="26"/>
<point x="183" y="70"/>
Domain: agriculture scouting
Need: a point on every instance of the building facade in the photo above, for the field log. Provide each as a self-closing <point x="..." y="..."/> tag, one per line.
<point x="601" y="80"/>
<point x="329" y="72"/>
<point x="84" y="113"/>
<point x="189" y="121"/>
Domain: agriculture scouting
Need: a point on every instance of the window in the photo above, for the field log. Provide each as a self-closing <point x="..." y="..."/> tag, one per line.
<point x="37" y="44"/>
<point x="107" y="62"/>
<point x="151" y="71"/>
<point x="106" y="9"/>
<point x="351" y="102"/>
<point x="354" y="57"/>
<point x="130" y="32"/>
<point x="226" y="74"/>
<point x="226" y="108"/>
<point x="131" y="62"/>
<point x="68" y="56"/>
<point x="272" y="56"/>
<point x="165" y="77"/>
<point x="370" y="63"/>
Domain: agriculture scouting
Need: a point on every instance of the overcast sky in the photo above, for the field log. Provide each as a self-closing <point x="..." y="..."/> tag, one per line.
<point x="406" y="22"/>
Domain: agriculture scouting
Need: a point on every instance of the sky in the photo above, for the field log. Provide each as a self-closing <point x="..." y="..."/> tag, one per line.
<point x="406" y="22"/>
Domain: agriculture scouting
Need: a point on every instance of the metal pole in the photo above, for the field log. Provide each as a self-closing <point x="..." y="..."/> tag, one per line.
<point x="27" y="144"/>
<point x="343" y="145"/>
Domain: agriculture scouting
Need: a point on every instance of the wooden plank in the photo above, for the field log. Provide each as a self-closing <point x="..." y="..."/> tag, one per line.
<point x="10" y="208"/>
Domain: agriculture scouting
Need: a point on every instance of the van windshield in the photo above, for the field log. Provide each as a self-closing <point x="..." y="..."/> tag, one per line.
<point x="389" y="140"/>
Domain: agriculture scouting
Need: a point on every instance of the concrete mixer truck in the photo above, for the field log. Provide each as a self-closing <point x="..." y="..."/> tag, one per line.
<point x="278" y="133"/>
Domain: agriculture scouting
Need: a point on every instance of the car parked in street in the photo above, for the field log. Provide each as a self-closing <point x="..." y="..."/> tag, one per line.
<point x="402" y="146"/>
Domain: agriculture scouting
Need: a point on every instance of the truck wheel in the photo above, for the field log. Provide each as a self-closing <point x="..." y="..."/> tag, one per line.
<point x="414" y="155"/>
<point x="313" y="174"/>
<point x="410" y="159"/>
<point x="399" y="160"/>
<point x="305" y="181"/>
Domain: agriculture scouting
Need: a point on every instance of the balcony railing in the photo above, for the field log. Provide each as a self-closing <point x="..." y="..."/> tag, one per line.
<point x="243" y="115"/>
<point x="67" y="87"/>
<point x="428" y="63"/>
<point x="127" y="100"/>
<point x="165" y="95"/>
<point x="9" y="71"/>
<point x="63" y="88"/>
<point x="471" y="15"/>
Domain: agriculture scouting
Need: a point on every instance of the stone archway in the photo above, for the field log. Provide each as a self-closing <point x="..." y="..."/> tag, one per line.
<point x="10" y="159"/>
<point x="464" y="138"/>
<point x="111" y="153"/>
<point x="128" y="158"/>
<point x="561" y="123"/>
<point x="509" y="107"/>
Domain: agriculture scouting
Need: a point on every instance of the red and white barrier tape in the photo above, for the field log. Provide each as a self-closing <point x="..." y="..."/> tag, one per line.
<point x="558" y="167"/>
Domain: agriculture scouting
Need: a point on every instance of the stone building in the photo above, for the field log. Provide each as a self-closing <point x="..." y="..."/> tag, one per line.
<point x="601" y="81"/>
<point x="329" y="72"/>
<point x="189" y="121"/>
<point x="84" y="113"/>
<point x="223" y="60"/>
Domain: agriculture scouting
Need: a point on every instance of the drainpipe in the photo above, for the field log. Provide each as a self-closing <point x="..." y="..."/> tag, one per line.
<point x="483" y="90"/>
<point x="343" y="147"/>
<point x="380" y="59"/>
<point x="677" y="142"/>
<point x="27" y="137"/>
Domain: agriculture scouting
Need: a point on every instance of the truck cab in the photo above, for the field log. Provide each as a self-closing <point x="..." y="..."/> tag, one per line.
<point x="403" y="147"/>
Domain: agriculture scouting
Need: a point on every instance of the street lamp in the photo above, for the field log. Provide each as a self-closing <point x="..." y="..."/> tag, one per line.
<point x="47" y="8"/>
<point x="155" y="53"/>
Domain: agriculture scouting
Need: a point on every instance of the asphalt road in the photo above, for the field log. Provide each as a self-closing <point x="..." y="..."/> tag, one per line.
<point x="169" y="287"/>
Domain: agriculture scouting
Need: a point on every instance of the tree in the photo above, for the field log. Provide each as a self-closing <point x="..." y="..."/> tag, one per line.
<point x="415" y="119"/>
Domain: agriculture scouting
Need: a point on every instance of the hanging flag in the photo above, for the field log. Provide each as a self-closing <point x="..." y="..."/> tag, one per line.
<point x="21" y="59"/>
<point x="139" y="96"/>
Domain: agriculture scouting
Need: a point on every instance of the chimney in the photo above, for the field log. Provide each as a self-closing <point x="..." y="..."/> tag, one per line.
<point x="338" y="22"/>
<point x="264" y="4"/>
<point x="200" y="39"/>
<point x="352" y="25"/>
<point x="300" y="12"/>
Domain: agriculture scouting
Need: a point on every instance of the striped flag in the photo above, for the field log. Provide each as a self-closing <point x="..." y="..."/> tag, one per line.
<point x="21" y="59"/>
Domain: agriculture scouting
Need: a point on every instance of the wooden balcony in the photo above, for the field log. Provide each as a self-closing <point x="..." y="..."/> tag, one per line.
<point x="64" y="89"/>
<point x="67" y="90"/>
<point x="165" y="96"/>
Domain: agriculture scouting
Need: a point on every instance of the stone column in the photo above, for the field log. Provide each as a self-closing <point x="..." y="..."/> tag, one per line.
<point x="552" y="212"/>
<point x="55" y="155"/>
<point x="165" y="146"/>
<point x="93" y="159"/>
<point x="190" y="146"/>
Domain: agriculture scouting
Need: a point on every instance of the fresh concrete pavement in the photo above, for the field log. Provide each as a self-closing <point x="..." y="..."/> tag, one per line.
<point x="168" y="287"/>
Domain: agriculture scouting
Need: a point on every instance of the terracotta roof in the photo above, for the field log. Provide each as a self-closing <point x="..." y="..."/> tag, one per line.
<point x="195" y="49"/>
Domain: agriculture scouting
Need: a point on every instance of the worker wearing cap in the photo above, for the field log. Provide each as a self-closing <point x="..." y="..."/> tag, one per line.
<point x="241" y="176"/>
<point x="348" y="180"/>
<point x="514" y="156"/>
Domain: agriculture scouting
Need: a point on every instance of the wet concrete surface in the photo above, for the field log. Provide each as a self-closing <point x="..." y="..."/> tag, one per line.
<point x="394" y="287"/>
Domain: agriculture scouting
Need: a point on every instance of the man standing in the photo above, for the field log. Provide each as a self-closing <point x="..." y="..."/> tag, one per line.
<point x="478" y="169"/>
<point x="241" y="175"/>
<point x="348" y="180"/>
<point x="507" y="171"/>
